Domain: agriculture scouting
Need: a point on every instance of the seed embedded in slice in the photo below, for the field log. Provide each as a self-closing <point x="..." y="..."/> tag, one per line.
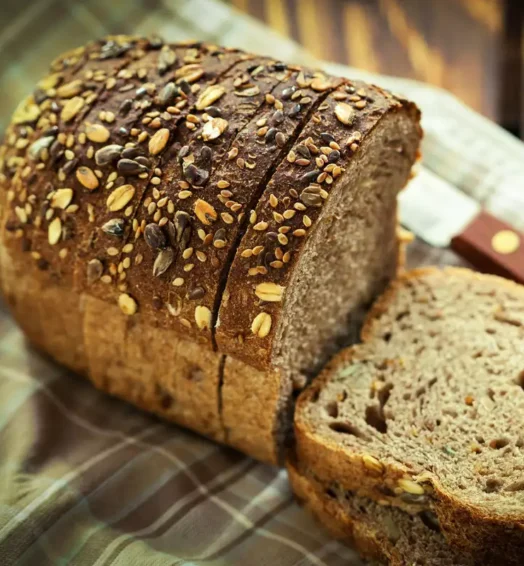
<point x="62" y="198"/>
<point x="203" y="317"/>
<point x="261" y="325"/>
<point x="269" y="292"/>
<point x="54" y="231"/>
<point x="127" y="304"/>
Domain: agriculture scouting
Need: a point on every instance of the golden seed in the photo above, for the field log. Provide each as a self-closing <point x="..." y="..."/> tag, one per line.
<point x="54" y="232"/>
<point x="97" y="133"/>
<point x="62" y="198"/>
<point x="273" y="201"/>
<point x="21" y="214"/>
<point x="227" y="218"/>
<point x="127" y="304"/>
<point x="247" y="253"/>
<point x="71" y="108"/>
<point x="87" y="178"/>
<point x="505" y="242"/>
<point x="344" y="113"/>
<point x="158" y="142"/>
<point x="187" y="253"/>
<point x="178" y="282"/>
<point x="372" y="464"/>
<point x="260" y="226"/>
<point x="270" y="292"/>
<point x="205" y="212"/>
<point x="120" y="197"/>
<point x="203" y="317"/>
<point x="214" y="128"/>
<point x="300" y="233"/>
<point x="411" y="487"/>
<point x="261" y="325"/>
<point x="210" y="95"/>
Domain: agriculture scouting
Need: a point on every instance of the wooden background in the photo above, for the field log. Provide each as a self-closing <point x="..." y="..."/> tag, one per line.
<point x="474" y="48"/>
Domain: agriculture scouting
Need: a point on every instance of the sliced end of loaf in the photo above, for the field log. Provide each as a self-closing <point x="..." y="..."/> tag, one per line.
<point x="427" y="413"/>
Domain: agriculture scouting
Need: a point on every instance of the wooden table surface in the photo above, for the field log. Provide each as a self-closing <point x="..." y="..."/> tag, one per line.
<point x="474" y="48"/>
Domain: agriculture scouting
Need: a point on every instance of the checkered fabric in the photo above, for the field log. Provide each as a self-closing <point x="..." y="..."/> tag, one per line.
<point x="88" y="480"/>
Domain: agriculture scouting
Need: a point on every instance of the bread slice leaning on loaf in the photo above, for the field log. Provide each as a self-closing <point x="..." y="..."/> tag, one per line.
<point x="427" y="415"/>
<point x="194" y="228"/>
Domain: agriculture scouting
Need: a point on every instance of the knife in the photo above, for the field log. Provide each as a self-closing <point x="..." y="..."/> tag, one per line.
<point x="444" y="216"/>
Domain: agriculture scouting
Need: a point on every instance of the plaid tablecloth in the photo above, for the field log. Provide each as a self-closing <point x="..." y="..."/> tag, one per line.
<point x="85" y="479"/>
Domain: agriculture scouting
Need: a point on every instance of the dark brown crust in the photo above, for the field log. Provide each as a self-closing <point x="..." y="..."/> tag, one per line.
<point x="45" y="282"/>
<point x="267" y="263"/>
<point x="161" y="301"/>
<point x="465" y="525"/>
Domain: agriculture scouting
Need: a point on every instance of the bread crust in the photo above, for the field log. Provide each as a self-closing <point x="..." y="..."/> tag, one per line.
<point x="69" y="230"/>
<point x="367" y="534"/>
<point x="286" y="215"/>
<point x="465" y="525"/>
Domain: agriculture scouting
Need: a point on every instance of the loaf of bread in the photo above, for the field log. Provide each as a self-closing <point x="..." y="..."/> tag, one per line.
<point x="427" y="415"/>
<point x="194" y="228"/>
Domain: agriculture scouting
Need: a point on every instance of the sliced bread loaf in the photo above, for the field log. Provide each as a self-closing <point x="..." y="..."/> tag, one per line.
<point x="428" y="413"/>
<point x="380" y="533"/>
<point x="129" y="245"/>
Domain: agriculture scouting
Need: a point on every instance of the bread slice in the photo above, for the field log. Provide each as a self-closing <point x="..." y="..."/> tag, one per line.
<point x="379" y="533"/>
<point x="428" y="413"/>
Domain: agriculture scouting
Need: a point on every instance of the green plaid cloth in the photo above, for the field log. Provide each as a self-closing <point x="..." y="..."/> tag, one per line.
<point x="88" y="480"/>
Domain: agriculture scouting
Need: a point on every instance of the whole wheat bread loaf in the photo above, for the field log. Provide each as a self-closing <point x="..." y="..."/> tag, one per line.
<point x="165" y="210"/>
<point x="427" y="415"/>
<point x="383" y="534"/>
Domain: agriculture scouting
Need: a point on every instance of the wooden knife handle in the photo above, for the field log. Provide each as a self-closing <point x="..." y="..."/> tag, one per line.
<point x="492" y="246"/>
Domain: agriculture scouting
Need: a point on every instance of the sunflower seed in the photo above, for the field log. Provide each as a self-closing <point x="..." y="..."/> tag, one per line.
<point x="129" y="167"/>
<point x="182" y="228"/>
<point x="195" y="176"/>
<point x="114" y="227"/>
<point x="36" y="149"/>
<point x="166" y="59"/>
<point x="154" y="236"/>
<point x="107" y="154"/>
<point x="168" y="94"/>
<point x="162" y="262"/>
